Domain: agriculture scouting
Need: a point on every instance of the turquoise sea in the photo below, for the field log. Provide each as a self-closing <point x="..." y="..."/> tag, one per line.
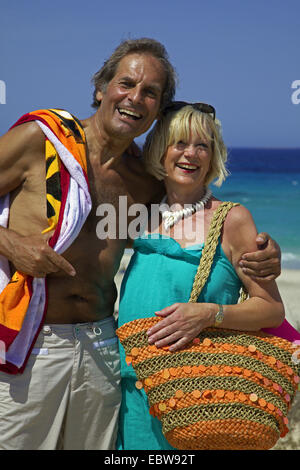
<point x="267" y="182"/>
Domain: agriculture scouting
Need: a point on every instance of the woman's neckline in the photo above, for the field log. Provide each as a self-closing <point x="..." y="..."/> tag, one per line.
<point x="154" y="235"/>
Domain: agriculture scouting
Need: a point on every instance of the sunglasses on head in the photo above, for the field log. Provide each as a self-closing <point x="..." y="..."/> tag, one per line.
<point x="203" y="107"/>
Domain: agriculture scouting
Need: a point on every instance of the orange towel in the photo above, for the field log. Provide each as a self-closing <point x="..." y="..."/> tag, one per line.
<point x="23" y="301"/>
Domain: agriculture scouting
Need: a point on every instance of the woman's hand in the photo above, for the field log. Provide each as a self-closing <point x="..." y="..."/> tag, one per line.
<point x="181" y="323"/>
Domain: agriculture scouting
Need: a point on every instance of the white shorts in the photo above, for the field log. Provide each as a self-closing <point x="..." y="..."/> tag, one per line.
<point x="69" y="394"/>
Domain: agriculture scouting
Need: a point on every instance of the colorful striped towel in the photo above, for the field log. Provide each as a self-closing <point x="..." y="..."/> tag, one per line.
<point x="23" y="299"/>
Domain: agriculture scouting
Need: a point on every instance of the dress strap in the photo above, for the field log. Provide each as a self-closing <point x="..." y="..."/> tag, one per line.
<point x="209" y="249"/>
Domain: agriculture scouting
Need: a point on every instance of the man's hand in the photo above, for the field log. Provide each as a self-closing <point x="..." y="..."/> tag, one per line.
<point x="33" y="256"/>
<point x="264" y="264"/>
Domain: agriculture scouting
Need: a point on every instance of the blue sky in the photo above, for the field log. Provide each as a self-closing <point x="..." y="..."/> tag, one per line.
<point x="241" y="56"/>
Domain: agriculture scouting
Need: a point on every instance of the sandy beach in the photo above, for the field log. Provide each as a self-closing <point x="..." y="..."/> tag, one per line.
<point x="289" y="287"/>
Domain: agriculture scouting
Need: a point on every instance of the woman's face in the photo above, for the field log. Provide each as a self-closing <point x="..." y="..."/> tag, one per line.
<point x="188" y="162"/>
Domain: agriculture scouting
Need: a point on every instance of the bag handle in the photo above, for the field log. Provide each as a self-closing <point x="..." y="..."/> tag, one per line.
<point x="209" y="250"/>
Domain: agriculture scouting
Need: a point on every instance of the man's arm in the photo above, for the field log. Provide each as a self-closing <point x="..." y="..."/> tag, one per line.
<point x="265" y="263"/>
<point x="20" y="149"/>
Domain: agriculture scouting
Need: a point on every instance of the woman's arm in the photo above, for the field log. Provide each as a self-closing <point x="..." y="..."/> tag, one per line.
<point x="264" y="308"/>
<point x="183" y="321"/>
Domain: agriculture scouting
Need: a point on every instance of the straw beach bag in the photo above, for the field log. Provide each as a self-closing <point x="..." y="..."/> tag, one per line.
<point x="227" y="389"/>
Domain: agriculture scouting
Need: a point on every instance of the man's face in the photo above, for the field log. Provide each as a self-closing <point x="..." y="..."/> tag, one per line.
<point x="132" y="99"/>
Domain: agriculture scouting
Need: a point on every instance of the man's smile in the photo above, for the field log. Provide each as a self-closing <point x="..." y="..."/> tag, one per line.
<point x="129" y="114"/>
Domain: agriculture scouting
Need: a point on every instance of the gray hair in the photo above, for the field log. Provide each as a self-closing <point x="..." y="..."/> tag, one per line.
<point x="136" y="46"/>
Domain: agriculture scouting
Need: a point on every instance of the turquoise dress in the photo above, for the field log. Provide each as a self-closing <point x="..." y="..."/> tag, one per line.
<point x="160" y="274"/>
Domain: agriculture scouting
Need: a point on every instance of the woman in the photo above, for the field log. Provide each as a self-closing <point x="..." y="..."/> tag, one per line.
<point x="186" y="149"/>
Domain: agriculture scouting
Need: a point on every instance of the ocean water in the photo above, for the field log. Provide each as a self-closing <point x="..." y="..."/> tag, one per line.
<point x="267" y="182"/>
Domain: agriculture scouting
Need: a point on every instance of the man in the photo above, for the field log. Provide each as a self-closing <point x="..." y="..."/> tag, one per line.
<point x="64" y="393"/>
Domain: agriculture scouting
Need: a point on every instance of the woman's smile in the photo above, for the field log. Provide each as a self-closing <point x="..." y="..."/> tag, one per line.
<point x="187" y="167"/>
<point x="188" y="162"/>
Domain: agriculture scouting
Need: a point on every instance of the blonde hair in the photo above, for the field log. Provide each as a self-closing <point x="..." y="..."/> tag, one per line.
<point x="176" y="126"/>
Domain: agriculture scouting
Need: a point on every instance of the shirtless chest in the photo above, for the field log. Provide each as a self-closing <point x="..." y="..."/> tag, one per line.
<point x="91" y="294"/>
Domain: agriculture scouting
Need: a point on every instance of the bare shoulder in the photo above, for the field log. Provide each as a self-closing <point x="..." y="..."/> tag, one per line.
<point x="20" y="148"/>
<point x="239" y="232"/>
<point x="20" y="139"/>
<point x="238" y="217"/>
<point x="151" y="188"/>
